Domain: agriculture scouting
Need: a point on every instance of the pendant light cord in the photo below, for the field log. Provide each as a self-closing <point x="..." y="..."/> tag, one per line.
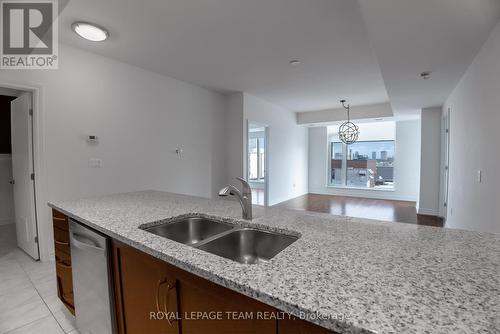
<point x="346" y="108"/>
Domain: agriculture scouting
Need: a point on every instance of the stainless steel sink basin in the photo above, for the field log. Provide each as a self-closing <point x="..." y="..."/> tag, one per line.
<point x="248" y="245"/>
<point x="190" y="230"/>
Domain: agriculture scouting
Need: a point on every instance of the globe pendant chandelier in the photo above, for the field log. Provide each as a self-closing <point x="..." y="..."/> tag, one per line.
<point x="348" y="131"/>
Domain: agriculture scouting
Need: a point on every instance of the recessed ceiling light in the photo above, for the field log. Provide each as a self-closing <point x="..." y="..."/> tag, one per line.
<point x="294" y="62"/>
<point x="425" y="75"/>
<point x="90" y="31"/>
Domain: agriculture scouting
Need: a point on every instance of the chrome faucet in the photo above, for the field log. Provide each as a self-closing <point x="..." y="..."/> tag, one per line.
<point x="244" y="196"/>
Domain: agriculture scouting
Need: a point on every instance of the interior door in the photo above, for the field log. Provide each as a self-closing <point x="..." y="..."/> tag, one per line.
<point x="22" y="168"/>
<point x="446" y="153"/>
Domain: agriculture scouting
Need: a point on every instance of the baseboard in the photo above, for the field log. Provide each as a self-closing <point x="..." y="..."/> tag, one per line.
<point x="428" y="212"/>
<point x="372" y="194"/>
<point x="287" y="199"/>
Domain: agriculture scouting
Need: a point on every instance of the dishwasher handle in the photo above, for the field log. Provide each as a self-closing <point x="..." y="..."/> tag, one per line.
<point x="77" y="240"/>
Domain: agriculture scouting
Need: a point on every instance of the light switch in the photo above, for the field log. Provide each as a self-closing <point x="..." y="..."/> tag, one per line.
<point x="479" y="176"/>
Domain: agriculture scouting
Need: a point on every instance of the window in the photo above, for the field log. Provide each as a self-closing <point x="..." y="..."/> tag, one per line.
<point x="367" y="163"/>
<point x="337" y="161"/>
<point x="256" y="156"/>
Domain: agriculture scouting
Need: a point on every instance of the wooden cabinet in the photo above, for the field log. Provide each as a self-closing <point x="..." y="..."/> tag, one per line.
<point x="294" y="325"/>
<point x="148" y="290"/>
<point x="212" y="309"/>
<point x="145" y="291"/>
<point x="62" y="253"/>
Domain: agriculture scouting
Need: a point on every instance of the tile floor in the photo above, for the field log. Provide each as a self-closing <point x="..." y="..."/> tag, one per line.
<point x="28" y="296"/>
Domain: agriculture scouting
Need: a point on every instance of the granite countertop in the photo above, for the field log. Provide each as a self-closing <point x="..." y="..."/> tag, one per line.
<point x="349" y="275"/>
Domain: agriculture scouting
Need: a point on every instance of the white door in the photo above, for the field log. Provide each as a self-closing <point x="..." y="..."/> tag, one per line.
<point x="446" y="153"/>
<point x="22" y="168"/>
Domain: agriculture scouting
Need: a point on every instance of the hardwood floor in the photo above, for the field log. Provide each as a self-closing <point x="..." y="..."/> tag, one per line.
<point x="394" y="211"/>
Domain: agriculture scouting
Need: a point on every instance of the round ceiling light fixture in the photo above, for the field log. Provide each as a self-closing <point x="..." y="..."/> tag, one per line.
<point x="348" y="131"/>
<point x="90" y="31"/>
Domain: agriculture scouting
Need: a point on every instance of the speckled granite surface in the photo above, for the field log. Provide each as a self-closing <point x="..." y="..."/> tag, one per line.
<point x="347" y="274"/>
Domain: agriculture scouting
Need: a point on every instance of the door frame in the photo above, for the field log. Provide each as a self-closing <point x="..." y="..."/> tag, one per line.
<point x="445" y="198"/>
<point x="42" y="217"/>
<point x="266" y="156"/>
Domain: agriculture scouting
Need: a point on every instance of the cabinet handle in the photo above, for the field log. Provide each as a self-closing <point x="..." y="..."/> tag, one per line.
<point x="62" y="264"/>
<point x="61" y="243"/>
<point x="157" y="297"/>
<point x="165" y="302"/>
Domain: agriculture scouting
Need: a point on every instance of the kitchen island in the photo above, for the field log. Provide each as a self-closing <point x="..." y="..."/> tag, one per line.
<point x="344" y="274"/>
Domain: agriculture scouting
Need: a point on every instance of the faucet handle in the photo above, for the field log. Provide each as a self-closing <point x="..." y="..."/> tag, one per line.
<point x="243" y="182"/>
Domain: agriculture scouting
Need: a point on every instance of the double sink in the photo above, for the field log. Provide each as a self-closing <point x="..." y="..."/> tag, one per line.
<point x="246" y="245"/>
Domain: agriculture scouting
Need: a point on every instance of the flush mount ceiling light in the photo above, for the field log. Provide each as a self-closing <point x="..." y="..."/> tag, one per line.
<point x="294" y="62"/>
<point x="348" y="131"/>
<point x="425" y="75"/>
<point x="90" y="31"/>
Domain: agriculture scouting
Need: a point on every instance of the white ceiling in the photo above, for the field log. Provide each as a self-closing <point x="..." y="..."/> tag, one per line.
<point x="413" y="36"/>
<point x="242" y="45"/>
<point x="246" y="45"/>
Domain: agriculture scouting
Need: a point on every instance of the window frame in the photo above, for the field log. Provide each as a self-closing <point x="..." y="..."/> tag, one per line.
<point x="344" y="172"/>
<point x="261" y="155"/>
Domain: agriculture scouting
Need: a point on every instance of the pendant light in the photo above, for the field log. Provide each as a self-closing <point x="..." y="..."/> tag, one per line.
<point x="348" y="131"/>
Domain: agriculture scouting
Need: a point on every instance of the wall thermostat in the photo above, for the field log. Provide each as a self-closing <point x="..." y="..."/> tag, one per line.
<point x="92" y="139"/>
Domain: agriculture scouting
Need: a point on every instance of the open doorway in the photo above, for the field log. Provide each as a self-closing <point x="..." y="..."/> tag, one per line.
<point x="257" y="162"/>
<point x="17" y="188"/>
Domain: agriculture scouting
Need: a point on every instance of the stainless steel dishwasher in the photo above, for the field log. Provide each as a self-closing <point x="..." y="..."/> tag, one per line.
<point x="91" y="280"/>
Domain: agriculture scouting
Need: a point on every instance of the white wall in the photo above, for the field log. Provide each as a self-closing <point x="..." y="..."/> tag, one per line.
<point x="407" y="164"/>
<point x="474" y="138"/>
<point x="140" y="118"/>
<point x="406" y="172"/>
<point x="234" y="138"/>
<point x="430" y="162"/>
<point x="6" y="195"/>
<point x="287" y="148"/>
<point x="336" y="115"/>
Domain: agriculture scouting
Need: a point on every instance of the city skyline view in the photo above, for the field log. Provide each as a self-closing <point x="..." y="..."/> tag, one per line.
<point x="366" y="149"/>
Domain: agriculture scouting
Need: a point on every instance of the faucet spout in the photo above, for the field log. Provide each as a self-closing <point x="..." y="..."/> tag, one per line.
<point x="244" y="197"/>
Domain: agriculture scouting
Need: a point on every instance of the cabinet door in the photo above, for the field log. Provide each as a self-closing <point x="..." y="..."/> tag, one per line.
<point x="200" y="299"/>
<point x="146" y="293"/>
<point x="293" y="325"/>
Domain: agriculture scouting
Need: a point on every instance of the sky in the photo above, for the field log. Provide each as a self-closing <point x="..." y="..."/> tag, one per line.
<point x="366" y="148"/>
